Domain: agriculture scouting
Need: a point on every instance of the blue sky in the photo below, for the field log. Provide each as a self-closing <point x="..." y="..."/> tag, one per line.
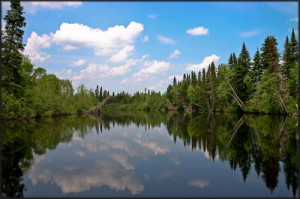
<point x="131" y="46"/>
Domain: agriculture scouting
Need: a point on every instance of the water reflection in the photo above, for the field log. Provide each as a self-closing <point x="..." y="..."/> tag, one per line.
<point x="131" y="153"/>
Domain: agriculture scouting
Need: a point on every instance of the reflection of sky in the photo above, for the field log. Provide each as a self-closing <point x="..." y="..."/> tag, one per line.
<point x="110" y="159"/>
<point x="138" y="162"/>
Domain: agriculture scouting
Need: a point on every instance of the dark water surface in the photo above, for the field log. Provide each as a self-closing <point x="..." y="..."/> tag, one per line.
<point x="151" y="154"/>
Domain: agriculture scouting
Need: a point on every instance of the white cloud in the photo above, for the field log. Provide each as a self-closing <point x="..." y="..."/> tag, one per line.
<point x="206" y="61"/>
<point x="152" y="16"/>
<point x="198" y="183"/>
<point x="32" y="7"/>
<point x="104" y="43"/>
<point x="145" y="38"/>
<point x="69" y="47"/>
<point x="293" y="19"/>
<point x="198" y="31"/>
<point x="250" y="33"/>
<point x="175" y="54"/>
<point x="153" y="67"/>
<point x="123" y="54"/>
<point x="79" y="62"/>
<point x="95" y="71"/>
<point x="165" y="40"/>
<point x="34" y="44"/>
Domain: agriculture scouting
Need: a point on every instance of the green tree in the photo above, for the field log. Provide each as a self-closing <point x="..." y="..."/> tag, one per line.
<point x="257" y="67"/>
<point x="12" y="46"/>
<point x="294" y="47"/>
<point x="97" y="91"/>
<point x="287" y="57"/>
<point x="174" y="81"/>
<point x="240" y="70"/>
<point x="270" y="55"/>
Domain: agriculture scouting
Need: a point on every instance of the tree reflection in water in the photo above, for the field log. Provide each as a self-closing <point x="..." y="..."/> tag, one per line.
<point x="246" y="141"/>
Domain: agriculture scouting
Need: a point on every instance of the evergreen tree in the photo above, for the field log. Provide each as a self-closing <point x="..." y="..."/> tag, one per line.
<point x="294" y="47"/>
<point x="244" y="58"/>
<point x="174" y="81"/>
<point x="287" y="57"/>
<point x="100" y="94"/>
<point x="234" y="59"/>
<point x="203" y="77"/>
<point x="292" y="68"/>
<point x="240" y="70"/>
<point x="194" y="78"/>
<point x="97" y="91"/>
<point x="257" y="67"/>
<point x="230" y="61"/>
<point x="270" y="55"/>
<point x="199" y="77"/>
<point x="12" y="46"/>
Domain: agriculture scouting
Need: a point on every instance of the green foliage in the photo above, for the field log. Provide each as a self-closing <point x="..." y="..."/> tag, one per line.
<point x="12" y="46"/>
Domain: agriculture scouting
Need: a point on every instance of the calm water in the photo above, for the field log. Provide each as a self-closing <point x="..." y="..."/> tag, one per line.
<point x="151" y="154"/>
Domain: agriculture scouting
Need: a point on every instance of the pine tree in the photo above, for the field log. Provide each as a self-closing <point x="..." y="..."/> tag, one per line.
<point x="292" y="67"/>
<point x="100" y="94"/>
<point x="203" y="77"/>
<point x="257" y="67"/>
<point x="234" y="59"/>
<point x="174" y="81"/>
<point x="230" y="61"/>
<point x="194" y="78"/>
<point x="240" y="70"/>
<point x="270" y="55"/>
<point x="244" y="58"/>
<point x="12" y="46"/>
<point x="294" y="47"/>
<point x="199" y="77"/>
<point x="287" y="57"/>
<point x="97" y="91"/>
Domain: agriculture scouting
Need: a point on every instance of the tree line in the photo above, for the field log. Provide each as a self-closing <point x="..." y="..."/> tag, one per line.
<point x="265" y="84"/>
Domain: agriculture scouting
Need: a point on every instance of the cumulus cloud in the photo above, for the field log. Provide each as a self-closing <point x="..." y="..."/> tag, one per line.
<point x="79" y="62"/>
<point x="32" y="7"/>
<point x="153" y="67"/>
<point x="206" y="61"/>
<point x="165" y="40"/>
<point x="175" y="54"/>
<point x="123" y="54"/>
<point x="198" y="31"/>
<point x="34" y="44"/>
<point x="94" y="71"/>
<point x="104" y="42"/>
<point x="250" y="33"/>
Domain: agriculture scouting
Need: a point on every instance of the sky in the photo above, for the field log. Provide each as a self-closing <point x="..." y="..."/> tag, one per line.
<point x="130" y="46"/>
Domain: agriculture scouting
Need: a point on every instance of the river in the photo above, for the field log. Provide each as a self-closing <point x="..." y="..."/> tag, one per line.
<point x="140" y="154"/>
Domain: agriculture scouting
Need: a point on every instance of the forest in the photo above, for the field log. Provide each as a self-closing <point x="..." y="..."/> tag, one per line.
<point x="266" y="84"/>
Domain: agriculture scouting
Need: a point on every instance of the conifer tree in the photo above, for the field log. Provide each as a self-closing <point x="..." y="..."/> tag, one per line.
<point x="270" y="55"/>
<point x="294" y="47"/>
<point x="287" y="57"/>
<point x="257" y="67"/>
<point x="12" y="46"/>
<point x="240" y="70"/>
<point x="244" y="58"/>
